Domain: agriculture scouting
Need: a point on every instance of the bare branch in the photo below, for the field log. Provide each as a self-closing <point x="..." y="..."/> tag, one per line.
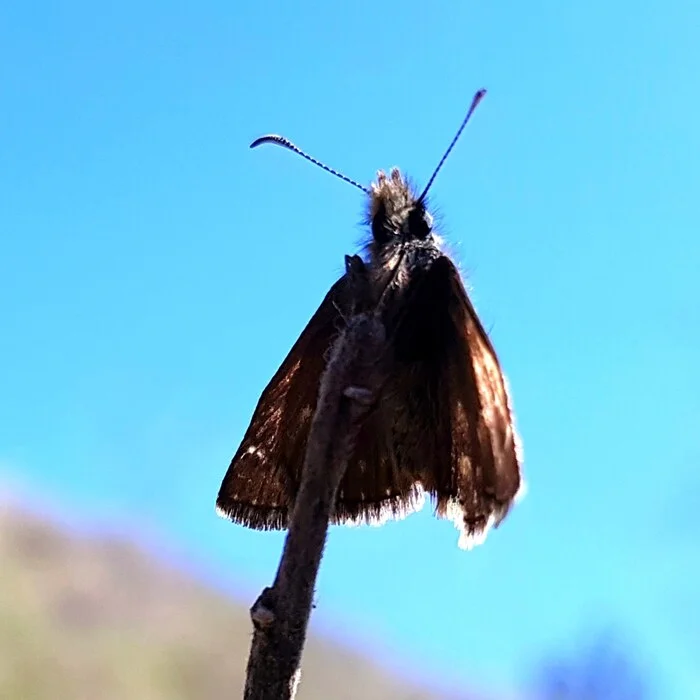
<point x="281" y="614"/>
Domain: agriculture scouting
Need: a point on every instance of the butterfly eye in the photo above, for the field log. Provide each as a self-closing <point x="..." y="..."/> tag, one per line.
<point x="419" y="223"/>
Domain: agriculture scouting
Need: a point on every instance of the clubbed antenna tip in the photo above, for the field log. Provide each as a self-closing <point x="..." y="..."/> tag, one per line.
<point x="286" y="143"/>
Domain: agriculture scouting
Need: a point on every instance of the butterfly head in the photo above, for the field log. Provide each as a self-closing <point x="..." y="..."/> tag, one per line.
<point x="396" y="213"/>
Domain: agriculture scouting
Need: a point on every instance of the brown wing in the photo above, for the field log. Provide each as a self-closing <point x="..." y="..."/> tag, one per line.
<point x="485" y="446"/>
<point x="376" y="485"/>
<point x="263" y="478"/>
<point x="260" y="485"/>
<point x="446" y="405"/>
<point x="442" y="422"/>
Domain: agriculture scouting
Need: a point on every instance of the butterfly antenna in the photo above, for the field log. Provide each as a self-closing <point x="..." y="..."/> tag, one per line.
<point x="286" y="143"/>
<point x="477" y="98"/>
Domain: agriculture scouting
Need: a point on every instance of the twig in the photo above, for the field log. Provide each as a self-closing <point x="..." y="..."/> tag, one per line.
<point x="281" y="613"/>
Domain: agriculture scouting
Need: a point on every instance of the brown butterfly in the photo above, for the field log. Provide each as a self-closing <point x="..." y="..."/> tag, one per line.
<point x="442" y="422"/>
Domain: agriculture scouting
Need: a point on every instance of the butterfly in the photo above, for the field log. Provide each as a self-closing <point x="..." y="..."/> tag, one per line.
<point x="441" y="423"/>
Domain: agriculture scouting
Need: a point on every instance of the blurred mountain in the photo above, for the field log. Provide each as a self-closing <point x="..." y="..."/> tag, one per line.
<point x="95" y="617"/>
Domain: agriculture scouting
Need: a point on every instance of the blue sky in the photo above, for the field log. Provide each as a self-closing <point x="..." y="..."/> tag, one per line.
<point x="154" y="272"/>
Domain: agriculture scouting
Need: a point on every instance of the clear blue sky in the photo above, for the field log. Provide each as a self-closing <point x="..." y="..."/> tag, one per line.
<point x="154" y="272"/>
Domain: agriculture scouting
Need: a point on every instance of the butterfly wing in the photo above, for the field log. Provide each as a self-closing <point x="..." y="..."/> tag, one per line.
<point x="262" y="480"/>
<point x="448" y="406"/>
<point x="375" y="486"/>
<point x="486" y="473"/>
<point x="442" y="422"/>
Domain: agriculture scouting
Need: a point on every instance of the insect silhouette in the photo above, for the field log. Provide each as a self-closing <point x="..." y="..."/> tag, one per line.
<point x="442" y="423"/>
